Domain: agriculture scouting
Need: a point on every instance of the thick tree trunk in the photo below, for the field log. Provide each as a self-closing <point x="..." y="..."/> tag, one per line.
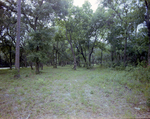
<point x="17" y="55"/>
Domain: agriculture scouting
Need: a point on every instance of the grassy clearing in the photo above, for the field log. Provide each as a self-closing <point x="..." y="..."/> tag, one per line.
<point x="65" y="93"/>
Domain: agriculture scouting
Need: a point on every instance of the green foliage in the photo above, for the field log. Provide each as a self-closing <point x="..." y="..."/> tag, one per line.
<point x="121" y="67"/>
<point x="141" y="74"/>
<point x="38" y="46"/>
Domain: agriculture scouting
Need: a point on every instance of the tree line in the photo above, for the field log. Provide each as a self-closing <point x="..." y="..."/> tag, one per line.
<point x="58" y="33"/>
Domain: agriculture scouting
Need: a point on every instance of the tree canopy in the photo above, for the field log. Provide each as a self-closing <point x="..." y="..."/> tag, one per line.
<point x="58" y="33"/>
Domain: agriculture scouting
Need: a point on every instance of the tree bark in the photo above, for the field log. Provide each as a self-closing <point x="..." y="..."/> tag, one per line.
<point x="101" y="57"/>
<point x="90" y="55"/>
<point x="31" y="65"/>
<point x="125" y="51"/>
<point x="90" y="52"/>
<point x="74" y="57"/>
<point x="54" y="57"/>
<point x="37" y="71"/>
<point x="17" y="55"/>
<point x="149" y="53"/>
<point x="112" y="56"/>
<point x="10" y="58"/>
<point x="56" y="54"/>
<point x="147" y="17"/>
<point x="84" y="56"/>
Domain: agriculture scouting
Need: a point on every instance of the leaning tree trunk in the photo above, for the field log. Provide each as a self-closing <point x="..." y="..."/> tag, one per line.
<point x="84" y="56"/>
<point x="74" y="57"/>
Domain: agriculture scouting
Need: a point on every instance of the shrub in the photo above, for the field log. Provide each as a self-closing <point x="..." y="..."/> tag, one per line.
<point x="142" y="74"/>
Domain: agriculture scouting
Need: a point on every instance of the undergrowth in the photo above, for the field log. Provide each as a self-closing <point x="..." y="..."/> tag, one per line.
<point x="136" y="78"/>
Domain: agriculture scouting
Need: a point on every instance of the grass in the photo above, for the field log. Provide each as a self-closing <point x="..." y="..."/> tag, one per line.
<point x="65" y="93"/>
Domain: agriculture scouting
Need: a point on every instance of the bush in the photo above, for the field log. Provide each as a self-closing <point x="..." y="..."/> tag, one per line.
<point x="142" y="74"/>
<point x="142" y="64"/>
<point x="120" y="68"/>
<point x="129" y="68"/>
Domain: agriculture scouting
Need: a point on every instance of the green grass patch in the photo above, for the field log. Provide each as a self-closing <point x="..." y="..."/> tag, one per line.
<point x="63" y="92"/>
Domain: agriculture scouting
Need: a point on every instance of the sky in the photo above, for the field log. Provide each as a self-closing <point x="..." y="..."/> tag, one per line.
<point x="80" y="2"/>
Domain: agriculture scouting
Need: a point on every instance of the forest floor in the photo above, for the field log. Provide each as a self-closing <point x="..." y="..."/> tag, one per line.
<point x="65" y="93"/>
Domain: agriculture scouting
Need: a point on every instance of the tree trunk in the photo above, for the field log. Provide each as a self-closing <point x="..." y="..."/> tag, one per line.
<point x="101" y="57"/>
<point x="93" y="60"/>
<point x="149" y="52"/>
<point x="89" y="65"/>
<point x="84" y="56"/>
<point x="10" y="60"/>
<point x="75" y="64"/>
<point x="112" y="56"/>
<point x="147" y="17"/>
<point x="25" y="61"/>
<point x="125" y="51"/>
<point x="17" y="55"/>
<point x="78" y="60"/>
<point x="37" y="71"/>
<point x="54" y="57"/>
<point x="90" y="54"/>
<point x="74" y="57"/>
<point x="41" y="65"/>
<point x="31" y="65"/>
